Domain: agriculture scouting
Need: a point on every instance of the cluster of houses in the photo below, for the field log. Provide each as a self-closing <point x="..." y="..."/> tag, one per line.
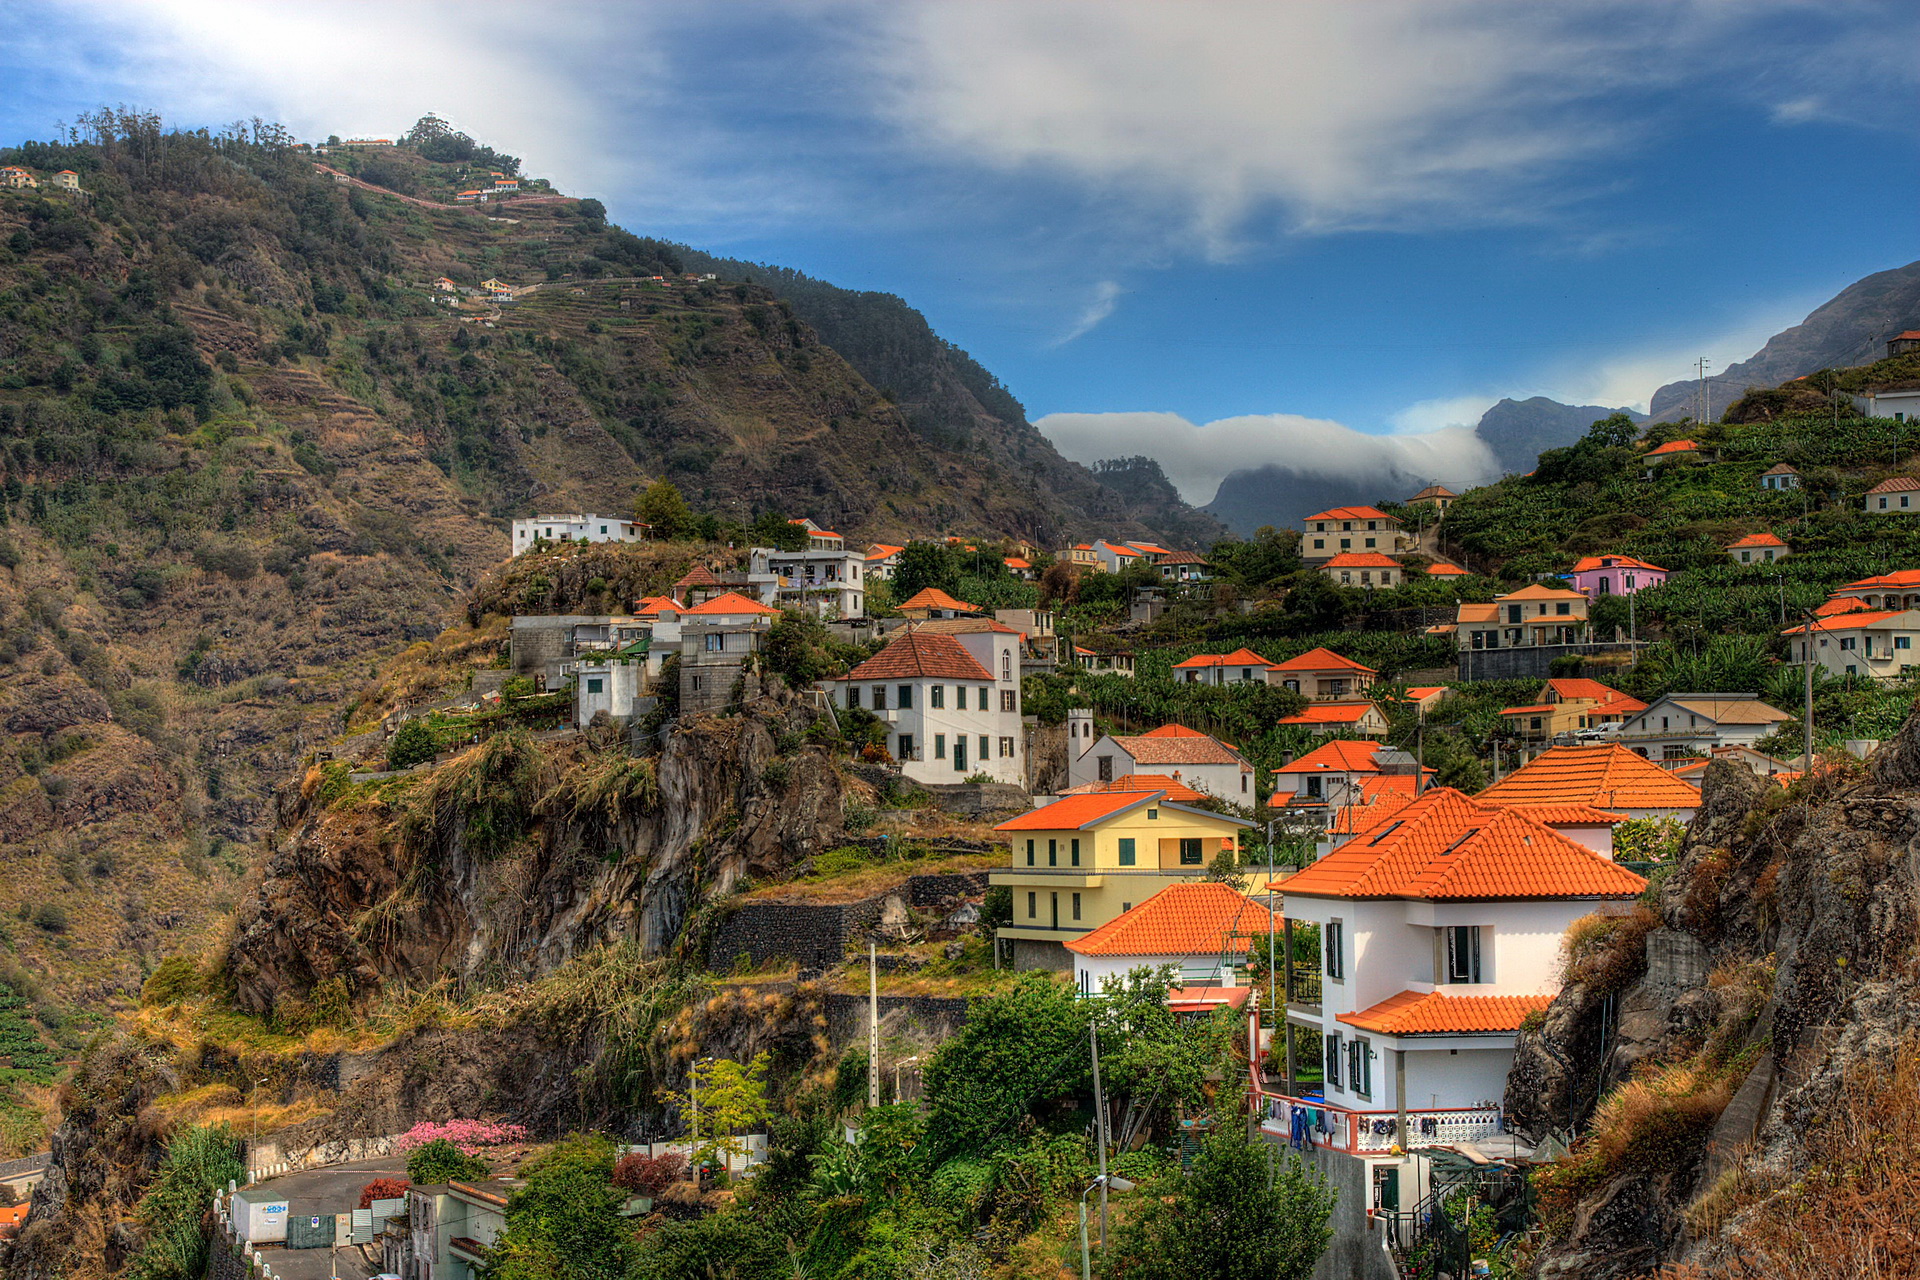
<point x="19" y="179"/>
<point x="497" y="185"/>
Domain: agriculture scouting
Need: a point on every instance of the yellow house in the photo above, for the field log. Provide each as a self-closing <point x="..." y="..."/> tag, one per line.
<point x="1082" y="860"/>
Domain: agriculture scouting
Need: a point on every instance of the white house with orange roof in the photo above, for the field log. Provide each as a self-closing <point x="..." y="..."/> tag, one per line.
<point x="1203" y="930"/>
<point x="825" y="579"/>
<point x="529" y="530"/>
<point x="882" y="559"/>
<point x="66" y="180"/>
<point x="1328" y="533"/>
<point x="1899" y="496"/>
<point x="14" y="176"/>
<point x="1758" y="548"/>
<point x="1353" y="719"/>
<point x="932" y="602"/>
<point x="1607" y="777"/>
<point x="1199" y="760"/>
<point x="1343" y="773"/>
<point x="1020" y="567"/>
<point x="1322" y="674"/>
<point x="1680" y="725"/>
<point x="1873" y="642"/>
<point x="1364" y="569"/>
<point x="1115" y="556"/>
<point x="1534" y="615"/>
<point x="1242" y="666"/>
<point x="1439" y="933"/>
<point x="951" y="702"/>
<point x="1897" y="590"/>
<point x="1441" y="569"/>
<point x="1671" y="451"/>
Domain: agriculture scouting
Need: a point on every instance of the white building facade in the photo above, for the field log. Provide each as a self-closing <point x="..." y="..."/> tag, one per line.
<point x="951" y="703"/>
<point x="575" y="528"/>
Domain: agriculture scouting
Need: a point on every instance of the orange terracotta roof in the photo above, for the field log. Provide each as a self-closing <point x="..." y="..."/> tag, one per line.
<point x="1445" y="571"/>
<point x="730" y="602"/>
<point x="1342" y="755"/>
<point x="1898" y="578"/>
<point x="1352" y="513"/>
<point x="881" y="550"/>
<point x="1838" y="605"/>
<point x="1018" y="562"/>
<point x="1149" y="548"/>
<point x="698" y="576"/>
<point x="1173" y="731"/>
<point x="1196" y="919"/>
<point x="1440" y="1013"/>
<point x="934" y="598"/>
<point x="1898" y="484"/>
<point x="1612" y="701"/>
<point x="1186" y="748"/>
<point x="1850" y="621"/>
<point x="1573" y="815"/>
<point x="1588" y="563"/>
<point x="1077" y="813"/>
<point x="1673" y="446"/>
<point x="1361" y="560"/>
<point x="1905" y="335"/>
<point x="1238" y="658"/>
<point x="1385" y="784"/>
<point x="1350" y="819"/>
<point x="1321" y="661"/>
<point x="1609" y="776"/>
<point x="1528" y="711"/>
<point x="1201" y="999"/>
<point x="1434" y="491"/>
<point x="1446" y="847"/>
<point x="1176" y="791"/>
<point x="1425" y="691"/>
<point x="914" y="653"/>
<point x="653" y="606"/>
<point x="1330" y="713"/>
<point x="1756" y="540"/>
<point x="1540" y="591"/>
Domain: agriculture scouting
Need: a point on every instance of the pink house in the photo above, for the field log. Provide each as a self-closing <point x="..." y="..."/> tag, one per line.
<point x="1597" y="576"/>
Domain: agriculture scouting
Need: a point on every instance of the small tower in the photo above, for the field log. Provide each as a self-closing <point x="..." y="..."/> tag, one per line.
<point x="1079" y="732"/>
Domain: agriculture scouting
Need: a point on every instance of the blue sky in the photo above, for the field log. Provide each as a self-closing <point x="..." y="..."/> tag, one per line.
<point x="1223" y="233"/>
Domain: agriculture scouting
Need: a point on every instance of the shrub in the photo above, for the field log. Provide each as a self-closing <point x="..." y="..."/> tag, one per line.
<point x="198" y="1164"/>
<point x="382" y="1189"/>
<point x="440" y="1161"/>
<point x="50" y="916"/>
<point x="517" y="687"/>
<point x="172" y="980"/>
<point x="413" y="744"/>
<point x="1607" y="952"/>
<point x="649" y="1175"/>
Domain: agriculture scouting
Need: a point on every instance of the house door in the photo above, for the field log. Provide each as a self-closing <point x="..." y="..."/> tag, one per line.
<point x="1386" y="1188"/>
<point x="960" y="753"/>
<point x="1056" y="909"/>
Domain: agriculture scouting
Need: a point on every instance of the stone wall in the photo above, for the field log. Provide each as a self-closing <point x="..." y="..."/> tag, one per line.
<point x="1034" y="953"/>
<point x="1527" y="662"/>
<point x="938" y="1016"/>
<point x="977" y="799"/>
<point x="816" y="935"/>
<point x="939" y="890"/>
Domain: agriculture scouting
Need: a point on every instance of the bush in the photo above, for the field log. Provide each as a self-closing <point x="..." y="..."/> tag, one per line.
<point x="198" y="1164"/>
<point x="50" y="916"/>
<point x="440" y="1161"/>
<point x="382" y="1189"/>
<point x="1606" y="952"/>
<point x="413" y="744"/>
<point x="172" y="980"/>
<point x="649" y="1175"/>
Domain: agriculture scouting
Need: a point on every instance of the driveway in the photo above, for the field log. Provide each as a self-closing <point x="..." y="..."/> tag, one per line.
<point x="322" y="1192"/>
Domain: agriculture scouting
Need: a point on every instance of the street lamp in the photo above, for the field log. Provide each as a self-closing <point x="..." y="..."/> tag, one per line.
<point x="1113" y="1183"/>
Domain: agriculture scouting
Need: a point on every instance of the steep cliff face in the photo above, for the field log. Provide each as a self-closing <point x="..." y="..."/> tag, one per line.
<point x="1704" y="1044"/>
<point x="508" y="860"/>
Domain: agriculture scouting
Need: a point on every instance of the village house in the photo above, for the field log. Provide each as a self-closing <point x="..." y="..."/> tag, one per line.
<point x="1672" y="451"/>
<point x="1322" y="674"/>
<point x="1759" y="763"/>
<point x="1079" y="556"/>
<point x="1596" y="705"/>
<point x="1901" y="403"/>
<point x="1169" y="786"/>
<point x="1239" y="667"/>
<point x="1897" y="590"/>
<point x="1359" y="719"/>
<point x="574" y="528"/>
<point x="14" y="176"/>
<point x="1184" y="566"/>
<point x="882" y="559"/>
<point x="1115" y="556"/>
<point x="1083" y="860"/>
<point x="1780" y="478"/>
<point x="951" y="703"/>
<point x="1606" y="777"/>
<point x="1098" y="662"/>
<point x="66" y="180"/>
<point x="1683" y="724"/>
<point x="1343" y="773"/>
<point x="1596" y="576"/>
<point x="546" y="647"/>
<point x="1364" y="569"/>
<point x="1020" y="567"/>
<point x="1894" y="497"/>
<point x="1204" y="930"/>
<point x="700" y="584"/>
<point x="452" y="1226"/>
<point x="468" y="197"/>
<point x="1437" y="496"/>
<point x="1758" y="548"/>
<point x="444" y="285"/>
<point x="1440" y="569"/>
<point x="932" y="602"/>
<point x="1533" y="615"/>
<point x="1426" y="697"/>
<point x="1875" y="642"/>
<point x="1328" y="533"/>
<point x="1439" y="932"/>
<point x="496" y="287"/>
<point x="1201" y="762"/>
<point x="1903" y="343"/>
<point x="825" y="579"/>
<point x="716" y="638"/>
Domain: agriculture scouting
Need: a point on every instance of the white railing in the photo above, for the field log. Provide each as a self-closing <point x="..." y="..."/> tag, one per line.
<point x="1377" y="1132"/>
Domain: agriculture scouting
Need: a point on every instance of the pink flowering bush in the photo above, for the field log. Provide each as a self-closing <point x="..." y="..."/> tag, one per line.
<point x="471" y="1136"/>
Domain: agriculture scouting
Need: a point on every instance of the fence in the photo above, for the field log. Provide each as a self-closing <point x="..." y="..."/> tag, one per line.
<point x="1363" y="1133"/>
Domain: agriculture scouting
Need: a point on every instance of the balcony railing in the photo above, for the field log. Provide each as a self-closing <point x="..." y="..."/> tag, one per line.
<point x="1377" y="1132"/>
<point x="1303" y="984"/>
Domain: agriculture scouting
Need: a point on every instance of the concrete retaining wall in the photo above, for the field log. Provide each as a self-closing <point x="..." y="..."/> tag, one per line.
<point x="1527" y="662"/>
<point x="938" y="1016"/>
<point x="269" y="1158"/>
<point x="816" y="935"/>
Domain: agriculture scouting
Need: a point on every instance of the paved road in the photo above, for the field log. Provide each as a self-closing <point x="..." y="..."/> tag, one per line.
<point x="335" y="1189"/>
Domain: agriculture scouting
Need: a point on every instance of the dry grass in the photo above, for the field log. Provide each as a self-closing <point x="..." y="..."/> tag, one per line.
<point x="1606" y="952"/>
<point x="880" y="877"/>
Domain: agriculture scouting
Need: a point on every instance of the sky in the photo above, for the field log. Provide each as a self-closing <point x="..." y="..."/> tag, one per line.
<point x="1224" y="234"/>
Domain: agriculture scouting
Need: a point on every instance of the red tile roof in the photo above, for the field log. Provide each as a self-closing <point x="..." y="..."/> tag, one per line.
<point x="881" y="550"/>
<point x="1756" y="540"/>
<point x="1321" y="661"/>
<point x="1077" y="813"/>
<point x="1440" y="1013"/>
<point x="653" y="606"/>
<point x="698" y="576"/>
<point x="1330" y="713"/>
<point x="1173" y="731"/>
<point x="1573" y="815"/>
<point x="1673" y="446"/>
<point x="914" y="654"/>
<point x="1587" y="563"/>
<point x="1342" y="755"/>
<point x="1149" y="548"/>
<point x="1898" y="484"/>
<point x="1351" y="819"/>
<point x="1528" y="711"/>
<point x="1018" y="562"/>
<point x="934" y="598"/>
<point x="1196" y="919"/>
<point x="1172" y="744"/>
<point x="730" y="602"/>
<point x="1176" y="791"/>
<point x="1201" y="999"/>
<point x="1445" y="571"/>
<point x="1352" y="513"/>
<point x="1238" y="658"/>
<point x="1898" y="578"/>
<point x="1612" y="701"/>
<point x="1610" y="776"/>
<point x="1445" y="846"/>
<point x="1849" y="621"/>
<point x="1361" y="560"/>
<point x="1540" y="591"/>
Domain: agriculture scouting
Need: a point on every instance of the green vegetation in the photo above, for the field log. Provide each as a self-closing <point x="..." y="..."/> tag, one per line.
<point x="199" y="1163"/>
<point x="440" y="1161"/>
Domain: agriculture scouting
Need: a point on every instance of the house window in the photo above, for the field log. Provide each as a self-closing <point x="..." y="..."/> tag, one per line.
<point x="1190" y="855"/>
<point x="937" y="696"/>
<point x="1053" y="853"/>
<point x="1903" y="642"/>
<point x="1033" y="906"/>
<point x="904" y="700"/>
<point x="959" y="753"/>
<point x="1153" y="815"/>
<point x="985" y="743"/>
<point x="1074" y="853"/>
<point x="906" y="746"/>
<point x="879" y="697"/>
<point x="1563" y="608"/>
<point x="1313" y="787"/>
<point x="1516" y="613"/>
<point x="1463" y="953"/>
<point x="593" y="684"/>
<point x="1336" y="965"/>
<point x="1006" y="748"/>
<point x="1126" y="851"/>
<point x="853" y="696"/>
<point x="1076" y="906"/>
<point x="1009" y="700"/>
<point x="1332" y="1061"/>
<point x="1006" y="664"/>
<point x="1029" y="853"/>
<point x="716" y="644"/>
<point x="1106" y="768"/>
<point x="1846" y="642"/>
<point x="959" y="697"/>
<point x="1319" y="544"/>
<point x="939" y="746"/>
<point x="1360" y="1067"/>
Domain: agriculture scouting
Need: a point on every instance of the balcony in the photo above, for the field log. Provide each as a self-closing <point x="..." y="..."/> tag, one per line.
<point x="467" y="1249"/>
<point x="1369" y="1133"/>
<point x="1303" y="985"/>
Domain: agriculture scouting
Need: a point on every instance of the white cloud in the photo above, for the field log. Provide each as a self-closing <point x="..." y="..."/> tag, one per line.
<point x="1433" y="415"/>
<point x="1628" y="378"/>
<point x="1197" y="457"/>
<point x="1106" y="296"/>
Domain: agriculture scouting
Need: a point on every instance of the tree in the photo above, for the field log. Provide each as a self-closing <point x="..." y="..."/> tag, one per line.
<point x="382" y="1189"/>
<point x="592" y="210"/>
<point x="662" y="507"/>
<point x="1244" y="1213"/>
<point x="565" y="1223"/>
<point x="413" y="744"/>
<point x="440" y="1161"/>
<point x="923" y="565"/>
<point x="796" y="648"/>
<point x="199" y="1162"/>
<point x="731" y="1100"/>
<point x="1018" y="1053"/>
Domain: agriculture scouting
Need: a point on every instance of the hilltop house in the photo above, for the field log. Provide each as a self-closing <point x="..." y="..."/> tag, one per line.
<point x="715" y="638"/>
<point x="1903" y="343"/>
<point x="1323" y="674"/>
<point x="882" y="559"/>
<point x="1343" y="773"/>
<point x="1440" y="569"/>
<point x="14" y="176"/>
<point x="1328" y="533"/>
<point x="1758" y="548"/>
<point x="1780" y="477"/>
<point x="575" y="528"/>
<point x="1901" y="403"/>
<point x="1609" y="777"/>
<point x="825" y="579"/>
<point x="951" y="702"/>
<point x="1683" y="724"/>
<point x="932" y="602"/>
<point x="1238" y="667"/>
<point x="1894" y="497"/>
<point x="1083" y="860"/>
<point x="1875" y="642"/>
<point x="1184" y="566"/>
<point x="66" y="180"/>
<point x="1205" y="929"/>
<point x="1359" y="719"/>
<point x="1364" y="569"/>
<point x="1080" y="556"/>
<point x="1596" y="705"/>
<point x="1437" y="496"/>
<point x="1440" y="932"/>
<point x="1595" y="576"/>
<point x="1201" y="762"/>
<point x="1533" y="615"/>
<point x="1672" y="451"/>
<point x="1020" y="567"/>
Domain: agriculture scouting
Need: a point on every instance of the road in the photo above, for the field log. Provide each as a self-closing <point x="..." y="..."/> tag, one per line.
<point x="320" y="1192"/>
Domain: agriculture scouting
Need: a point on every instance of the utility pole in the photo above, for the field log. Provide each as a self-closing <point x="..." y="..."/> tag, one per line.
<point x="1705" y="403"/>
<point x="1100" y="1126"/>
<point x="1806" y="714"/>
<point x="873" y="1027"/>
